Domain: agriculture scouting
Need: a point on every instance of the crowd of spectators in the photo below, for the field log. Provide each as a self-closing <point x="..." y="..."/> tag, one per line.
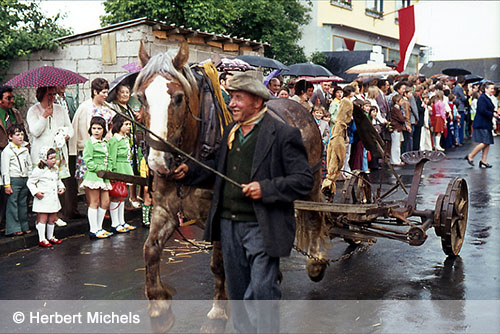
<point x="43" y="154"/>
<point x="409" y="112"/>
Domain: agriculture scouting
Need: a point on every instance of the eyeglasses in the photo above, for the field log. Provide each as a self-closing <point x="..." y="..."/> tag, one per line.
<point x="9" y="98"/>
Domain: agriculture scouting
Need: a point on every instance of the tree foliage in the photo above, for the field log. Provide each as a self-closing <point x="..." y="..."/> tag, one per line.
<point x="319" y="58"/>
<point x="25" y="29"/>
<point x="274" y="21"/>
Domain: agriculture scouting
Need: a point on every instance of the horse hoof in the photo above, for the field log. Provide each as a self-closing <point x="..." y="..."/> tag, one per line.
<point x="161" y="316"/>
<point x="213" y="326"/>
<point x="315" y="271"/>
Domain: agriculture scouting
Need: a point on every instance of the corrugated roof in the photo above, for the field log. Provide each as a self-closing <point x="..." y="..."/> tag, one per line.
<point x="164" y="27"/>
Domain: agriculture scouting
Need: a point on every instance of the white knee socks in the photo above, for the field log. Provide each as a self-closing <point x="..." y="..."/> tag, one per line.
<point x="121" y="212"/>
<point x="50" y="231"/>
<point x="114" y="212"/>
<point x="92" y="217"/>
<point x="100" y="217"/>
<point x="41" y="231"/>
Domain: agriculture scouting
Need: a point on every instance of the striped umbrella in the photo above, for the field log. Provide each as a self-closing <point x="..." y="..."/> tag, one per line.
<point x="46" y="76"/>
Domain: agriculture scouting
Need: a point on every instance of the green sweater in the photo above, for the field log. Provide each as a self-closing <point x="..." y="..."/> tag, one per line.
<point x="119" y="151"/>
<point x="235" y="205"/>
<point x="95" y="155"/>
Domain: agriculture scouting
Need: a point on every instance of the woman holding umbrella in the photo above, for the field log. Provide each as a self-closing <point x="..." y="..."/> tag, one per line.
<point x="483" y="126"/>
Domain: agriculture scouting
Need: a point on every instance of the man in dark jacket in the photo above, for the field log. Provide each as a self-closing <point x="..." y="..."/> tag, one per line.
<point x="8" y="116"/>
<point x="255" y="224"/>
<point x="461" y="103"/>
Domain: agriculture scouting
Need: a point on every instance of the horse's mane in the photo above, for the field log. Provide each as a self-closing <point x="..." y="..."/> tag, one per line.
<point x="162" y="63"/>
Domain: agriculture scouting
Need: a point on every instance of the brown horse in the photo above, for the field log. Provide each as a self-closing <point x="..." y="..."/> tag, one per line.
<point x="169" y="92"/>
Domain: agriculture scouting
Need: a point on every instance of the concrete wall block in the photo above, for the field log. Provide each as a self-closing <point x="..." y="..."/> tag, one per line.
<point x="38" y="63"/>
<point x="124" y="49"/>
<point x="91" y="40"/>
<point x="76" y="52"/>
<point x="89" y="66"/>
<point x="95" y="52"/>
<point x="135" y="35"/>
<point x="18" y="66"/>
<point x="122" y="36"/>
<point x="66" y="64"/>
<point x="118" y="67"/>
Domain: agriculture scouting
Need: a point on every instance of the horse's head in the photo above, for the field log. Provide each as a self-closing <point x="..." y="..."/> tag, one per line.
<point x="168" y="90"/>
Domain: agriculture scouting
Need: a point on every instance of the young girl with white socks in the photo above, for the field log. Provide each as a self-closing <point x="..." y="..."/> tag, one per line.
<point x="45" y="185"/>
<point x="95" y="155"/>
<point x="119" y="162"/>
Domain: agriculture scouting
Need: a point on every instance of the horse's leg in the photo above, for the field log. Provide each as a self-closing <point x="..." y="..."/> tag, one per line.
<point x="314" y="234"/>
<point x="219" y="314"/>
<point x="159" y="295"/>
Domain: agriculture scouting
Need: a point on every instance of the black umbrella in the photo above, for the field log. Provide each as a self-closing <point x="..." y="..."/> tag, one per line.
<point x="470" y="78"/>
<point x="455" y="71"/>
<point x="263" y="62"/>
<point x="126" y="79"/>
<point x="308" y="70"/>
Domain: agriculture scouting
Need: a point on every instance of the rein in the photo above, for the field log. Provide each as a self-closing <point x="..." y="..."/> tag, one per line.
<point x="165" y="146"/>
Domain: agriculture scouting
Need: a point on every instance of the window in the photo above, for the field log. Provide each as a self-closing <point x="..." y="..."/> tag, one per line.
<point x="400" y="4"/>
<point x="375" y="8"/>
<point x="347" y="4"/>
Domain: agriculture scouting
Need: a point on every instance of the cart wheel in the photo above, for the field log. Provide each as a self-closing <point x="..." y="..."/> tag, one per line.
<point x="357" y="190"/>
<point x="453" y="218"/>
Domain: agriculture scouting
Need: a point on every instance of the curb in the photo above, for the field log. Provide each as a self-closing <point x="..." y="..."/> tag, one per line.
<point x="74" y="227"/>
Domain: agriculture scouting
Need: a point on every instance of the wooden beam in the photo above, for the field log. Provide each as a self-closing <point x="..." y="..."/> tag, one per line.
<point x="216" y="44"/>
<point x="160" y="34"/>
<point x="112" y="176"/>
<point x="231" y="47"/>
<point x="196" y="40"/>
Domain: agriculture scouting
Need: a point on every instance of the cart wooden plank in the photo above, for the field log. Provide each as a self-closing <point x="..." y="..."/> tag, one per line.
<point x="334" y="207"/>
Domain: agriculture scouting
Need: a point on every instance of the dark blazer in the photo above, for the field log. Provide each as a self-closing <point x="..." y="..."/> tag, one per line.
<point x="281" y="167"/>
<point x="319" y="94"/>
<point x="461" y="100"/>
<point x="4" y="138"/>
<point x="484" y="113"/>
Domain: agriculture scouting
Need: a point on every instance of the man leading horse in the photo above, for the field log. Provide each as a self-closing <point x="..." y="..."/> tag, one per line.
<point x="255" y="224"/>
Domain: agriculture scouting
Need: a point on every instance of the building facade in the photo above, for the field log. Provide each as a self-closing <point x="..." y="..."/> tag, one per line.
<point x="357" y="25"/>
<point x="104" y="52"/>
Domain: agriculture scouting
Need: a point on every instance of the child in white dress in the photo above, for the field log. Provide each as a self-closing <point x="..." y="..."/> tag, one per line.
<point x="45" y="185"/>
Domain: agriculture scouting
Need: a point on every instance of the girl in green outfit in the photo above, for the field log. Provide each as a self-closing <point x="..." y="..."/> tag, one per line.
<point x="95" y="155"/>
<point x="119" y="162"/>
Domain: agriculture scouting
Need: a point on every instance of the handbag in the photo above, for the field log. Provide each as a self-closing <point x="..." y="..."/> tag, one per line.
<point x="119" y="189"/>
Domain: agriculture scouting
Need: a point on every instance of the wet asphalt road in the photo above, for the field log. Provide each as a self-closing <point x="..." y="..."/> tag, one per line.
<point x="113" y="269"/>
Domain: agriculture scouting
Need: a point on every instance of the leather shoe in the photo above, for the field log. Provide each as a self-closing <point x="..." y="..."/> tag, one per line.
<point x="44" y="243"/>
<point x="469" y="161"/>
<point x="55" y="241"/>
<point x="484" y="164"/>
<point x="59" y="222"/>
<point x="119" y="229"/>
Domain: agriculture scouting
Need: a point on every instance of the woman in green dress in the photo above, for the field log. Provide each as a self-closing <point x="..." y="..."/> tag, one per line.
<point x="119" y="162"/>
<point x="122" y="103"/>
<point x="95" y="155"/>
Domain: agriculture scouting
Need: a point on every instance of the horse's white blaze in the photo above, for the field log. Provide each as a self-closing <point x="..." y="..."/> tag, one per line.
<point x="158" y="100"/>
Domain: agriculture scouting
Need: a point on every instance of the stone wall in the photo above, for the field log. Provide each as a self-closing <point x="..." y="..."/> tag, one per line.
<point x="85" y="56"/>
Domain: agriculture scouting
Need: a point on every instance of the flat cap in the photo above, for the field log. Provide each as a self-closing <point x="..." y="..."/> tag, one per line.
<point x="247" y="83"/>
